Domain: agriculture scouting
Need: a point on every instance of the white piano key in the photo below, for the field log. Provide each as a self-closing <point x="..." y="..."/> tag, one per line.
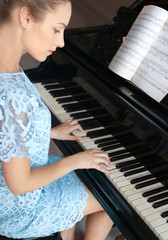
<point x="155" y="213"/>
<point x="143" y="206"/>
<point x="161" y="229"/>
<point x="157" y="222"/>
<point x="164" y="235"/>
<point x="150" y="211"/>
<point x="139" y="201"/>
<point x="116" y="174"/>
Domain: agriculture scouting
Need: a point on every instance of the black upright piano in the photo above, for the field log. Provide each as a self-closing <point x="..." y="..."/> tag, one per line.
<point x="117" y="117"/>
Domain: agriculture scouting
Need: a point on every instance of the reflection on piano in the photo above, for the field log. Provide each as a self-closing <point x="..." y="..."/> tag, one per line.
<point x="118" y="118"/>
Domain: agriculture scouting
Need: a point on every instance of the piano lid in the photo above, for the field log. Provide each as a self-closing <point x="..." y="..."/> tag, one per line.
<point x="94" y="48"/>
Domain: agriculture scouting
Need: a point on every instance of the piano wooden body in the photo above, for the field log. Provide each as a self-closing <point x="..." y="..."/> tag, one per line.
<point x="118" y="118"/>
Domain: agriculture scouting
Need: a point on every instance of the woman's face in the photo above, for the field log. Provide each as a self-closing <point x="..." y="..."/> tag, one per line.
<point x="40" y="39"/>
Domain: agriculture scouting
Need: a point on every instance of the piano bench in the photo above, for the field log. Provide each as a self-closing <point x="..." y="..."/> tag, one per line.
<point x="56" y="236"/>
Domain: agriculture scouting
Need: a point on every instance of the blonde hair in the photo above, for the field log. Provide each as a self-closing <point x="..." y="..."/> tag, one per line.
<point x="37" y="7"/>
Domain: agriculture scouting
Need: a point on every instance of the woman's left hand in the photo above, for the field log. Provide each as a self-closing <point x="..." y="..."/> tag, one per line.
<point x="64" y="130"/>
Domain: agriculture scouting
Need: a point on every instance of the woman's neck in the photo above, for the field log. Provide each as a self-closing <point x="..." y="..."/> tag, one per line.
<point x="10" y="49"/>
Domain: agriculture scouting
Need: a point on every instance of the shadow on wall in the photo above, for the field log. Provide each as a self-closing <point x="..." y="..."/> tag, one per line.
<point x="96" y="12"/>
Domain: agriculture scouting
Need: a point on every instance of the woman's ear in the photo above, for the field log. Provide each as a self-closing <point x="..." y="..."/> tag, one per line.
<point x="25" y="17"/>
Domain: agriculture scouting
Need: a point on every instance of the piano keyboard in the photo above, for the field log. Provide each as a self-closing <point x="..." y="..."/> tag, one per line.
<point x="135" y="169"/>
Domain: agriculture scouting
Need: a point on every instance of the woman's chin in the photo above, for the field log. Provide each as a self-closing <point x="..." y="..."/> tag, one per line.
<point x="41" y="59"/>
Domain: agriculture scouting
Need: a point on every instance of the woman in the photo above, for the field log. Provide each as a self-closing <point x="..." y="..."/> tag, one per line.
<point x="39" y="195"/>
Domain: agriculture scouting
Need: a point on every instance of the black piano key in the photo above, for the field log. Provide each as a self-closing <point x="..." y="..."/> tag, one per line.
<point x="105" y="121"/>
<point x="159" y="173"/>
<point x="63" y="79"/>
<point x="118" y="137"/>
<point x="106" y="131"/>
<point x="154" y="166"/>
<point x="124" y="142"/>
<point x="105" y="139"/>
<point x="49" y="81"/>
<point x="70" y="84"/>
<point x="62" y="85"/>
<point x="151" y="182"/>
<point x="87" y="122"/>
<point x="83" y="97"/>
<point x="53" y="86"/>
<point x="90" y="113"/>
<point x="141" y="179"/>
<point x="80" y="115"/>
<point x="91" y="126"/>
<point x="164" y="214"/>
<point x="148" y="163"/>
<point x="127" y="142"/>
<point x="69" y="91"/>
<point x="73" y="107"/>
<point x="92" y="104"/>
<point x="154" y="157"/>
<point x="112" y="147"/>
<point x="160" y="203"/>
<point x="58" y="93"/>
<point x="101" y="145"/>
<point x="97" y="133"/>
<point x="98" y="112"/>
<point x="125" y="151"/>
<point x="147" y="183"/>
<point x="66" y="100"/>
<point x="154" y="191"/>
<point x="158" y="197"/>
<point x="117" y="129"/>
<point x="120" y="157"/>
<point x="75" y="90"/>
<point x="132" y="150"/>
<point x="77" y="98"/>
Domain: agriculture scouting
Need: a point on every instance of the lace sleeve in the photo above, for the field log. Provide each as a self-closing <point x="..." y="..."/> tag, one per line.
<point x="16" y="126"/>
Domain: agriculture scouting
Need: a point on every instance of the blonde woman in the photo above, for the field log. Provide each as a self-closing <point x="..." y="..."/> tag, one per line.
<point x="39" y="194"/>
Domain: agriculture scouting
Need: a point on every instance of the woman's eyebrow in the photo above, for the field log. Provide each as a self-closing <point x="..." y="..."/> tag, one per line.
<point x="63" y="24"/>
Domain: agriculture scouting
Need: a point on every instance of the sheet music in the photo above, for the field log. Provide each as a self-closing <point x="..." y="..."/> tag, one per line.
<point x="138" y="41"/>
<point x="152" y="75"/>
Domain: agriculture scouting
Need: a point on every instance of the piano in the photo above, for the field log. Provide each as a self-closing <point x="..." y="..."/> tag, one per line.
<point x="117" y="117"/>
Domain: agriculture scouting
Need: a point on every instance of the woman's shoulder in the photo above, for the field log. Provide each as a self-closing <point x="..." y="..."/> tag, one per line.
<point x="9" y="80"/>
<point x="13" y="88"/>
<point x="15" y="83"/>
<point x="17" y="90"/>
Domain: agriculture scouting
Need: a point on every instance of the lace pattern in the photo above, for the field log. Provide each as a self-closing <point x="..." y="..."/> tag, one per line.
<point x="25" y="124"/>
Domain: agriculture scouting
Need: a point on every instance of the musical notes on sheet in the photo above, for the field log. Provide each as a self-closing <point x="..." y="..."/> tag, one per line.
<point x="143" y="56"/>
<point x="138" y="42"/>
<point x="152" y="75"/>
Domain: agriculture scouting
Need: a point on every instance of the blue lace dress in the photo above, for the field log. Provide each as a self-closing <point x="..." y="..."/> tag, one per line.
<point x="25" y="124"/>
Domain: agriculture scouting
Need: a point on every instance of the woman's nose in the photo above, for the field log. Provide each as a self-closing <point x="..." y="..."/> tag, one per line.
<point x="60" y="41"/>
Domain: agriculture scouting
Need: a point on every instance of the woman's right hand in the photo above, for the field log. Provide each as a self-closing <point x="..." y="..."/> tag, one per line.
<point x="93" y="158"/>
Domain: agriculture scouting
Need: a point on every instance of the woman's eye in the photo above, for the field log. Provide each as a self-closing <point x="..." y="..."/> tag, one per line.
<point x="56" y="31"/>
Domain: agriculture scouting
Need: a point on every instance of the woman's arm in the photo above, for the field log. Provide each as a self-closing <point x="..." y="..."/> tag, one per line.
<point x="21" y="178"/>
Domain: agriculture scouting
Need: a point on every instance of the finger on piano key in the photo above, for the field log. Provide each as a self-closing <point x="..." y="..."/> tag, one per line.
<point x="106" y="167"/>
<point x="79" y="133"/>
